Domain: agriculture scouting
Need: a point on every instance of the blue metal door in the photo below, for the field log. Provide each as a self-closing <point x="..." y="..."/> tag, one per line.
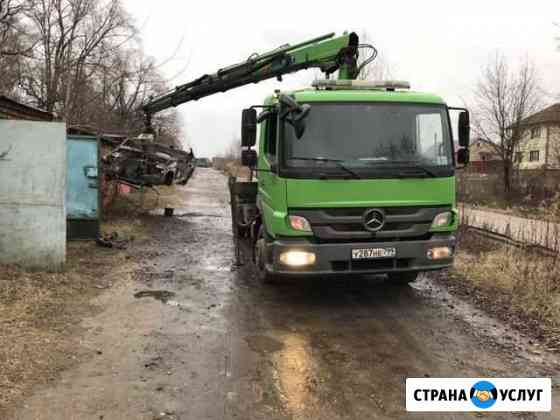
<point x="82" y="187"/>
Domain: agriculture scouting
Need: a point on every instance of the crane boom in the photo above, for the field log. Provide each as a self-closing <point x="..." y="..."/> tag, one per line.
<point x="327" y="52"/>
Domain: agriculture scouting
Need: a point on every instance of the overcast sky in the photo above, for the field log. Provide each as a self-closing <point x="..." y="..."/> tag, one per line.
<point x="438" y="46"/>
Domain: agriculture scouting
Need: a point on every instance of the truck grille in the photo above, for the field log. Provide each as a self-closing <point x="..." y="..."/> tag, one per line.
<point x="346" y="224"/>
<point x="365" y="265"/>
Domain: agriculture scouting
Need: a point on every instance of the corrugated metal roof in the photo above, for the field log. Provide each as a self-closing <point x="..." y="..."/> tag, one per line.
<point x="12" y="109"/>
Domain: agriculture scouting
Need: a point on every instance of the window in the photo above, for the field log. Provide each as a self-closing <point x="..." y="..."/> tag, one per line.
<point x="534" y="156"/>
<point x="373" y="136"/>
<point x="270" y="144"/>
<point x="429" y="137"/>
<point x="519" y="157"/>
<point x="535" y="132"/>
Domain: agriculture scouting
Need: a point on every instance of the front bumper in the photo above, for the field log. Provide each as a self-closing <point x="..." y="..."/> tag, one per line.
<point x="336" y="258"/>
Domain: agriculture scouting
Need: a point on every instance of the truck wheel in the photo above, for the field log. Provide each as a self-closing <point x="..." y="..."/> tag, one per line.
<point x="259" y="258"/>
<point x="402" y="278"/>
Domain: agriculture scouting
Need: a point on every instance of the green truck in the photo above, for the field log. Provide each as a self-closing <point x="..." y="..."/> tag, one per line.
<point x="364" y="183"/>
<point x="350" y="177"/>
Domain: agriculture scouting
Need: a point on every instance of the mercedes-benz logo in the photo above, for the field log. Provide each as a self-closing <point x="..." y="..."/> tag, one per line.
<point x="374" y="220"/>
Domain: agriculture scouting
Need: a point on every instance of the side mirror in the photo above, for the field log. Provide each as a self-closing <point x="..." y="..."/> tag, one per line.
<point x="297" y="120"/>
<point x="264" y="115"/>
<point x="463" y="156"/>
<point x="249" y="158"/>
<point x="248" y="127"/>
<point x="464" y="129"/>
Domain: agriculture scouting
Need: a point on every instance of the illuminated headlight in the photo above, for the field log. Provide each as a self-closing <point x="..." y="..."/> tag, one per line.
<point x="440" y="253"/>
<point x="299" y="223"/>
<point x="443" y="219"/>
<point x="297" y="258"/>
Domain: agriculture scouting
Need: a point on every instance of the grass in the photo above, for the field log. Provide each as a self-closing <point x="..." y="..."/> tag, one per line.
<point x="511" y="281"/>
<point x="235" y="169"/>
<point x="125" y="213"/>
<point x="143" y="202"/>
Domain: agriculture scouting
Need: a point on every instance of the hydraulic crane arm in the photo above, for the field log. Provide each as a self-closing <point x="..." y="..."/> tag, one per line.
<point x="328" y="53"/>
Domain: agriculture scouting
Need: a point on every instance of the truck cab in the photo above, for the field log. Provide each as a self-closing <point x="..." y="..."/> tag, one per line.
<point x="363" y="183"/>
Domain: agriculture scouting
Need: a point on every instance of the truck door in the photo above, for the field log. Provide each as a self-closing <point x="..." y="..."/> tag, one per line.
<point x="271" y="188"/>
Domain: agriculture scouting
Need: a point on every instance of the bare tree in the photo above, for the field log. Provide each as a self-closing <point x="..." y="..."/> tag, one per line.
<point x="71" y="34"/>
<point x="83" y="60"/>
<point x="14" y="43"/>
<point x="504" y="96"/>
<point x="9" y="63"/>
<point x="9" y="12"/>
<point x="379" y="68"/>
<point x="132" y="79"/>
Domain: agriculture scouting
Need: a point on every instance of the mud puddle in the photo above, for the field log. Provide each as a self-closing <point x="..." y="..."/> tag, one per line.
<point x="216" y="268"/>
<point x="196" y="214"/>
<point x="186" y="214"/>
<point x="163" y="296"/>
<point x="263" y="344"/>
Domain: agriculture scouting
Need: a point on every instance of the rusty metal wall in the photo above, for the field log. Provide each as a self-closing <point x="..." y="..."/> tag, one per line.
<point x="32" y="194"/>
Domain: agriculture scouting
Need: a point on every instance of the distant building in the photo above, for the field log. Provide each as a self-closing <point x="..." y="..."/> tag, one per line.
<point x="540" y="146"/>
<point x="11" y="109"/>
<point x="483" y="157"/>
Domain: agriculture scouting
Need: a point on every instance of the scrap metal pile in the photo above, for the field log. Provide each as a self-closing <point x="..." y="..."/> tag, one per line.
<point x="139" y="162"/>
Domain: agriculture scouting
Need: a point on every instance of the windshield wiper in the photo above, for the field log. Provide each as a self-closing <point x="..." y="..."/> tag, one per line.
<point x="406" y="164"/>
<point x="338" y="163"/>
<point x="423" y="169"/>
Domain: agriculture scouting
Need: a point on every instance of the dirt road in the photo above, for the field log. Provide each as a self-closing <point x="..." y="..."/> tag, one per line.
<point x="190" y="338"/>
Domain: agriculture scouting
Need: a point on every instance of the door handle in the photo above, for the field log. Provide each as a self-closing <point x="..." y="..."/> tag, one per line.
<point x="90" y="172"/>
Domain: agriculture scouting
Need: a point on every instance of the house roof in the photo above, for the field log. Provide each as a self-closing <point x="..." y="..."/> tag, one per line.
<point x="550" y="114"/>
<point x="12" y="109"/>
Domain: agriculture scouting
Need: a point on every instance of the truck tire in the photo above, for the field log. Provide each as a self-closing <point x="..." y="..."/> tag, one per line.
<point x="262" y="275"/>
<point x="402" y="279"/>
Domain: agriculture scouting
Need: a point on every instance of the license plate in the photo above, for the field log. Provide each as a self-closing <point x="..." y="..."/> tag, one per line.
<point x="373" y="253"/>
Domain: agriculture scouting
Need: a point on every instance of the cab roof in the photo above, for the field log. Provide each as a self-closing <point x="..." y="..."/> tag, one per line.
<point x="363" y="95"/>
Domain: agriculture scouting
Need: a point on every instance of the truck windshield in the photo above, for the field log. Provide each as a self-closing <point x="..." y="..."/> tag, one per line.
<point x="364" y="137"/>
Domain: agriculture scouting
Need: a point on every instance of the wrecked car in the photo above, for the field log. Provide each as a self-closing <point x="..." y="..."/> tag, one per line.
<point x="142" y="163"/>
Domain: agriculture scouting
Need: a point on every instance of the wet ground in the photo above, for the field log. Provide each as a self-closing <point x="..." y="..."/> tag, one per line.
<point x="192" y="338"/>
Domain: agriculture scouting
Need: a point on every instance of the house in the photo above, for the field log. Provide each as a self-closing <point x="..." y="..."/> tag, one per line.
<point x="483" y="157"/>
<point x="11" y="109"/>
<point x="540" y="145"/>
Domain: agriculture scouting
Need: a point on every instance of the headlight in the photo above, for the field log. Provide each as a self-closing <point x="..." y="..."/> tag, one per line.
<point x="443" y="219"/>
<point x="439" y="253"/>
<point x="297" y="258"/>
<point x="299" y="223"/>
